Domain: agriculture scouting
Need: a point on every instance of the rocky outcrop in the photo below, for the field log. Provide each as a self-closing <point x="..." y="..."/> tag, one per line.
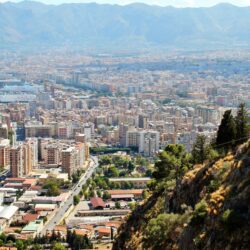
<point x="218" y="193"/>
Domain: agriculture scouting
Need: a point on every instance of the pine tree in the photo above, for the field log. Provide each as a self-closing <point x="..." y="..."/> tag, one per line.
<point x="227" y="131"/>
<point x="242" y="131"/>
<point x="199" y="149"/>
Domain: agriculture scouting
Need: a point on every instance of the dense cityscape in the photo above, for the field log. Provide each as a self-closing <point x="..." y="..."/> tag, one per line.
<point x="79" y="133"/>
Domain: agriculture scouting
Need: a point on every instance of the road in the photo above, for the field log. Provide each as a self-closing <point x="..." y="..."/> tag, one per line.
<point x="76" y="189"/>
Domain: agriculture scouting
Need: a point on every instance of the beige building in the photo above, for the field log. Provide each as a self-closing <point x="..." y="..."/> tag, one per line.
<point x="16" y="161"/>
<point x="52" y="155"/>
<point x="73" y="158"/>
<point x="4" y="153"/>
<point x="21" y="160"/>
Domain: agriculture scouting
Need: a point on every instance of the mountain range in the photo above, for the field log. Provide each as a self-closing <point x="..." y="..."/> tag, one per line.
<point x="32" y="24"/>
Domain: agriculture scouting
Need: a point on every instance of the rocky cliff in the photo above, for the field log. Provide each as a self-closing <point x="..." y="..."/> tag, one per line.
<point x="209" y="210"/>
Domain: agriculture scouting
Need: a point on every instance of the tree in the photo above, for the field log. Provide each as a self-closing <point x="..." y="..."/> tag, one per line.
<point x="227" y="131"/>
<point x="77" y="242"/>
<point x="20" y="245"/>
<point x="105" y="160"/>
<point x="53" y="190"/>
<point x="199" y="149"/>
<point x="58" y="246"/>
<point x="241" y="121"/>
<point x="148" y="173"/>
<point x="173" y="160"/>
<point x="53" y="187"/>
<point x="98" y="192"/>
<point x="75" y="178"/>
<point x="36" y="247"/>
<point x="145" y="194"/>
<point x="131" y="166"/>
<point x="159" y="230"/>
<point x="117" y="205"/>
<point x="106" y="195"/>
<point x="132" y="205"/>
<point x="112" y="172"/>
<point x="76" y="199"/>
<point x="86" y="195"/>
<point x="92" y="193"/>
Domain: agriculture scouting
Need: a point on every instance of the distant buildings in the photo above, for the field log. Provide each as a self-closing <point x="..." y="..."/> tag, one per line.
<point x="146" y="141"/>
<point x="73" y="158"/>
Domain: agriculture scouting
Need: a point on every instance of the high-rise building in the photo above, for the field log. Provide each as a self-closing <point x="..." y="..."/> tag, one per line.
<point x="20" y="132"/>
<point x="16" y="161"/>
<point x="33" y="144"/>
<point x="123" y="129"/>
<point x="69" y="160"/>
<point x="38" y="130"/>
<point x="142" y="121"/>
<point x="4" y="153"/>
<point x="73" y="158"/>
<point x="52" y="154"/>
<point x="147" y="141"/>
<point x="27" y="161"/>
<point x="21" y="159"/>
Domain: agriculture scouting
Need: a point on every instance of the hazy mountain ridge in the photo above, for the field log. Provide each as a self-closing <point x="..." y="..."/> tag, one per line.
<point x="32" y="23"/>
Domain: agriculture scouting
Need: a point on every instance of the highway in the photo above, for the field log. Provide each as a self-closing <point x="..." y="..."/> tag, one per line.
<point x="75" y="190"/>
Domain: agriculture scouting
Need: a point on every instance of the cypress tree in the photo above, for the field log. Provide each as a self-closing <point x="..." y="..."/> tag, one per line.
<point x="226" y="134"/>
<point x="242" y="130"/>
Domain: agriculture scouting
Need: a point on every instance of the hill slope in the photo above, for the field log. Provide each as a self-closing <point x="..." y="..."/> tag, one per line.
<point x="30" y="24"/>
<point x="211" y="210"/>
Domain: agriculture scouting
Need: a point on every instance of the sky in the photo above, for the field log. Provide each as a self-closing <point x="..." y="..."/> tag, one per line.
<point x="176" y="3"/>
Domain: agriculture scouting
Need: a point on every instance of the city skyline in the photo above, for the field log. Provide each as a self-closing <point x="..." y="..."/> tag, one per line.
<point x="175" y="3"/>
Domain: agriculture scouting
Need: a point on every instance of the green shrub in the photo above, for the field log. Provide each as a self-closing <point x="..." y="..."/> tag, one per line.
<point x="200" y="212"/>
<point x="159" y="230"/>
<point x="213" y="186"/>
<point x="232" y="220"/>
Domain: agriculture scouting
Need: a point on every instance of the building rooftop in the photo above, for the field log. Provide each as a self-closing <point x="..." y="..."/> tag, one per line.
<point x="128" y="191"/>
<point x="7" y="212"/>
<point x="97" y="202"/>
<point x="33" y="226"/>
<point x="131" y="179"/>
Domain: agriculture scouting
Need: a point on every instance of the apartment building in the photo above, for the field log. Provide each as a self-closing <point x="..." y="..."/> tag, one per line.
<point x="73" y="158"/>
<point x="5" y="153"/>
<point x="52" y="154"/>
<point x="69" y="162"/>
<point x="21" y="159"/>
<point x="147" y="141"/>
<point x="16" y="161"/>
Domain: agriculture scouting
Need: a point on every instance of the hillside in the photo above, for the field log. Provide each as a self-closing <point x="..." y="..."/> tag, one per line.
<point x="31" y="24"/>
<point x="211" y="210"/>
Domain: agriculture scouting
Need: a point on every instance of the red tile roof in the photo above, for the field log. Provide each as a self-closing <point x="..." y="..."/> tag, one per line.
<point x="36" y="188"/>
<point x="30" y="217"/>
<point x="121" y="192"/>
<point x="104" y="230"/>
<point x="97" y="202"/>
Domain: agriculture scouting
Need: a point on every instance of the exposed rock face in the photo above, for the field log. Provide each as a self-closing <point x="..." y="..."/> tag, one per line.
<point x="222" y="187"/>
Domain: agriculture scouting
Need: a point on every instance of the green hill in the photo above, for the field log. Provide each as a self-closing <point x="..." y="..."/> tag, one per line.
<point x="210" y="209"/>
